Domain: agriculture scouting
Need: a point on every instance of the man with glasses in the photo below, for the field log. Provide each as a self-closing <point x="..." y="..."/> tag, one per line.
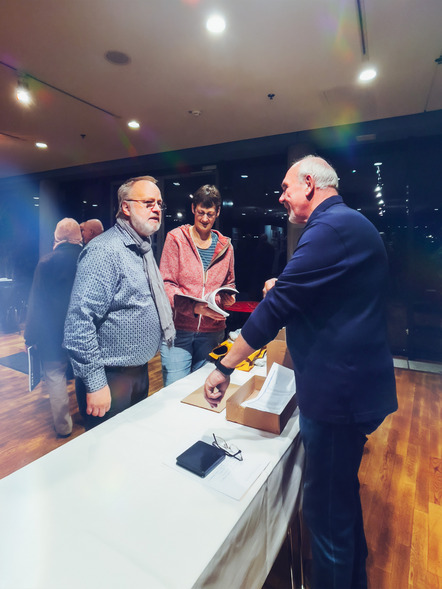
<point x="196" y="260"/>
<point x="119" y="313"/>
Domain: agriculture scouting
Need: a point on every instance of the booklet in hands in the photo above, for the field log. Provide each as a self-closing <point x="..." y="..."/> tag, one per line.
<point x="200" y="458"/>
<point x="210" y="298"/>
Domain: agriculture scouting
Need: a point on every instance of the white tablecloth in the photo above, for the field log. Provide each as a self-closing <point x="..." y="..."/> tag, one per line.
<point x="105" y="511"/>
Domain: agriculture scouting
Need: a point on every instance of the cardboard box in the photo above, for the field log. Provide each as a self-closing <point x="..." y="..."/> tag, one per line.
<point x="269" y="422"/>
<point x="278" y="352"/>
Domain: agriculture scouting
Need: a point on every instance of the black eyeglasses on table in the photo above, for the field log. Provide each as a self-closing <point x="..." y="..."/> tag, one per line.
<point x="228" y="449"/>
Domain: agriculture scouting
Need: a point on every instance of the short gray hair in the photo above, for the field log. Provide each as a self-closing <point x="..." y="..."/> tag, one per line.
<point x="125" y="188"/>
<point x="320" y="170"/>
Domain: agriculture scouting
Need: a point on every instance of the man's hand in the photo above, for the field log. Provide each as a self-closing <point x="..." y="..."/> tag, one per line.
<point x="216" y="383"/>
<point x="269" y="284"/>
<point x="98" y="402"/>
<point x="204" y="309"/>
<point x="215" y="387"/>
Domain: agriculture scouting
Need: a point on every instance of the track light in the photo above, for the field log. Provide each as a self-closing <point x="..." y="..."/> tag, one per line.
<point x="23" y="95"/>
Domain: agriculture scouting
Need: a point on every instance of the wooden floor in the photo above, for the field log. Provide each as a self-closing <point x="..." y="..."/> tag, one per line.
<point x="401" y="472"/>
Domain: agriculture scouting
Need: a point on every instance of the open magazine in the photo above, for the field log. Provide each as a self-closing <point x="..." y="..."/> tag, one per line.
<point x="210" y="298"/>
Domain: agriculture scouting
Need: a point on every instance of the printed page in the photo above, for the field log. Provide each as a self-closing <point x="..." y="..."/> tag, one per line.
<point x="277" y="390"/>
<point x="211" y="299"/>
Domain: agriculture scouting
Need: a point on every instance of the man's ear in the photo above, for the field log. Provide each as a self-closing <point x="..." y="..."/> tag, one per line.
<point x="310" y="186"/>
<point x="193" y="209"/>
<point x="125" y="208"/>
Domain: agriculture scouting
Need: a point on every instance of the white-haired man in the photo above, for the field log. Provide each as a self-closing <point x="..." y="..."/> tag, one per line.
<point x="119" y="312"/>
<point x="331" y="297"/>
<point x="47" y="307"/>
<point x="90" y="229"/>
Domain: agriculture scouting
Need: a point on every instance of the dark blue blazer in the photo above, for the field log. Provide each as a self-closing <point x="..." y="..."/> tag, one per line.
<point x="331" y="296"/>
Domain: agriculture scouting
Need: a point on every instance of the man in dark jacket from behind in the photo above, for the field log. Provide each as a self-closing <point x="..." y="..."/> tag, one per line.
<point x="47" y="308"/>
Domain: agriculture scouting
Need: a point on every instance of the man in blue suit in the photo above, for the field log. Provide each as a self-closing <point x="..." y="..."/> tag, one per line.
<point x="331" y="297"/>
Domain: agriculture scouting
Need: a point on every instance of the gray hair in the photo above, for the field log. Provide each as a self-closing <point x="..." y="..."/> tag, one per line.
<point x="321" y="171"/>
<point x="125" y="188"/>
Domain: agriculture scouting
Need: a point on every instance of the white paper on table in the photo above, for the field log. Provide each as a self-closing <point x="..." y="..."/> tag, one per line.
<point x="231" y="477"/>
<point x="277" y="390"/>
<point x="234" y="477"/>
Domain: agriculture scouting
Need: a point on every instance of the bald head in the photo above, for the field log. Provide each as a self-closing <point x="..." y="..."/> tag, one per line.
<point x="67" y="231"/>
<point x="90" y="229"/>
<point x="307" y="183"/>
<point x="319" y="169"/>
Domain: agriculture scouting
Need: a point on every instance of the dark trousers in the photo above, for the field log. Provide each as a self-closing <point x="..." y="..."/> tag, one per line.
<point x="331" y="503"/>
<point x="128" y="386"/>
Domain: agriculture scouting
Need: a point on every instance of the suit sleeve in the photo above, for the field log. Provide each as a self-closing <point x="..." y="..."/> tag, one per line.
<point x="317" y="261"/>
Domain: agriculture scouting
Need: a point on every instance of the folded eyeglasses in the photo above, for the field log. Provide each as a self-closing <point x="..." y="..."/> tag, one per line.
<point x="228" y="449"/>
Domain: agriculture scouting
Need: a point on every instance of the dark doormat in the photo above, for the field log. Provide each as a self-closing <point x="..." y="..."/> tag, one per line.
<point x="17" y="362"/>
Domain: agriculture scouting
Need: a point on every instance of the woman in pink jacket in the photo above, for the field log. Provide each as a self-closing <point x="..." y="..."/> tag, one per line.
<point x="196" y="260"/>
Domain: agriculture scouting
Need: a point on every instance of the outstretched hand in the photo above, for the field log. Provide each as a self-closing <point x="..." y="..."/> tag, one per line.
<point x="269" y="284"/>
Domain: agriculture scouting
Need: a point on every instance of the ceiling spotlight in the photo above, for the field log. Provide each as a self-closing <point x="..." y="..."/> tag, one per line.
<point x="216" y="24"/>
<point x="367" y="74"/>
<point x="133" y="124"/>
<point x="22" y="93"/>
<point x="41" y="145"/>
<point x="117" y="57"/>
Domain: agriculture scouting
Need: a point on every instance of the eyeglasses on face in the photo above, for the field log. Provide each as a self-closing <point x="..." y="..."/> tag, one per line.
<point x="202" y="214"/>
<point x="228" y="449"/>
<point x="149" y="204"/>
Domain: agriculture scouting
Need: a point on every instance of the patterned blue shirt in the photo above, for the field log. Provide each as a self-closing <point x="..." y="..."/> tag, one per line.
<point x="112" y="319"/>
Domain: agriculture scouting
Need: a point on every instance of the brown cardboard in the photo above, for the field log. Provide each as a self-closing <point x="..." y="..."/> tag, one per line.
<point x="198" y="399"/>
<point x="277" y="351"/>
<point x="269" y="422"/>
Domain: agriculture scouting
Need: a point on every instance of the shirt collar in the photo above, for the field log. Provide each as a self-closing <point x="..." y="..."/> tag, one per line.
<point x="325" y="204"/>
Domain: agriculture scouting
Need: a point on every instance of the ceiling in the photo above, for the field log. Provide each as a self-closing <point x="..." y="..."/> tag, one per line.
<point x="308" y="54"/>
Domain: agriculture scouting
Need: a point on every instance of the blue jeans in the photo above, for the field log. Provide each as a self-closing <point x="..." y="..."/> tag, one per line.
<point x="188" y="353"/>
<point x="331" y="503"/>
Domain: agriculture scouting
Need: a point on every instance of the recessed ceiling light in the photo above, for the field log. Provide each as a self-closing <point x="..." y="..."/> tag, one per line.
<point x="41" y="145"/>
<point x="216" y="24"/>
<point x="117" y="57"/>
<point x="133" y="124"/>
<point x="368" y="74"/>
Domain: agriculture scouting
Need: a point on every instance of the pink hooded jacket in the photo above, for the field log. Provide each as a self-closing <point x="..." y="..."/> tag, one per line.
<point x="183" y="273"/>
